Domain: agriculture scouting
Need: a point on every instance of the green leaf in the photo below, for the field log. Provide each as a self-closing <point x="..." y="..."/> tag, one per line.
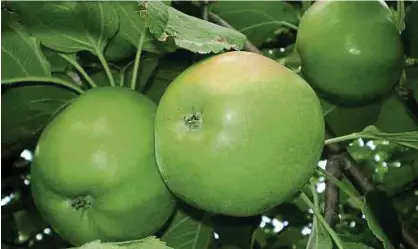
<point x="382" y="218"/>
<point x="189" y="229"/>
<point x="407" y="139"/>
<point x="7" y="17"/>
<point x="398" y="15"/>
<point x="70" y="26"/>
<point x="319" y="238"/>
<point x="257" y="21"/>
<point x="156" y="18"/>
<point x="353" y="245"/>
<point x="147" y="243"/>
<point x="22" y="53"/>
<point x="72" y="59"/>
<point x="58" y="64"/>
<point x="187" y="31"/>
<point x="397" y="179"/>
<point x="119" y="49"/>
<point x="131" y="26"/>
<point x="100" y="78"/>
<point x="27" y="109"/>
<point x="167" y="70"/>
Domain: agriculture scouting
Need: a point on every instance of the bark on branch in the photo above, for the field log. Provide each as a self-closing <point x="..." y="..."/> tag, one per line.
<point x="332" y="192"/>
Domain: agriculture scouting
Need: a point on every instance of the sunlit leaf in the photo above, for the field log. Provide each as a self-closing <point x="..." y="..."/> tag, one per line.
<point x="69" y="26"/>
<point x="147" y="243"/>
<point x="407" y="139"/>
<point x="189" y="32"/>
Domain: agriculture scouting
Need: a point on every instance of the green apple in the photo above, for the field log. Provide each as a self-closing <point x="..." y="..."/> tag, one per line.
<point x="351" y="51"/>
<point x="237" y="134"/>
<point x="94" y="175"/>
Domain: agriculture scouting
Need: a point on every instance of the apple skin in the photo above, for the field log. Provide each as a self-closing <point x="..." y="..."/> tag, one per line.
<point x="237" y="134"/>
<point x="94" y="175"/>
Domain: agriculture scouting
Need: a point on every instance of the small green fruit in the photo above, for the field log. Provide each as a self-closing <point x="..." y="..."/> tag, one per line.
<point x="238" y="134"/>
<point x="94" y="175"/>
<point x="351" y="51"/>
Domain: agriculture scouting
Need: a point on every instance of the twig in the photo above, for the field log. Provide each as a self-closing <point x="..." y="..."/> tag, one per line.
<point x="332" y="192"/>
<point x="217" y="19"/>
<point x="361" y="181"/>
<point x="205" y="10"/>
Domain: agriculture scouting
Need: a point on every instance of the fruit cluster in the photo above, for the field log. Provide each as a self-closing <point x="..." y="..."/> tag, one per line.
<point x="227" y="145"/>
<point x="235" y="134"/>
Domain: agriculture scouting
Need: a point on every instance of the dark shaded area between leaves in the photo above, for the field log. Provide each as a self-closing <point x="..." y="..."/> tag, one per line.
<point x="235" y="231"/>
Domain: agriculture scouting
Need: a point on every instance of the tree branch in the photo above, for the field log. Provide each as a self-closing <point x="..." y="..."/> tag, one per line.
<point x="332" y="192"/>
<point x="205" y="10"/>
